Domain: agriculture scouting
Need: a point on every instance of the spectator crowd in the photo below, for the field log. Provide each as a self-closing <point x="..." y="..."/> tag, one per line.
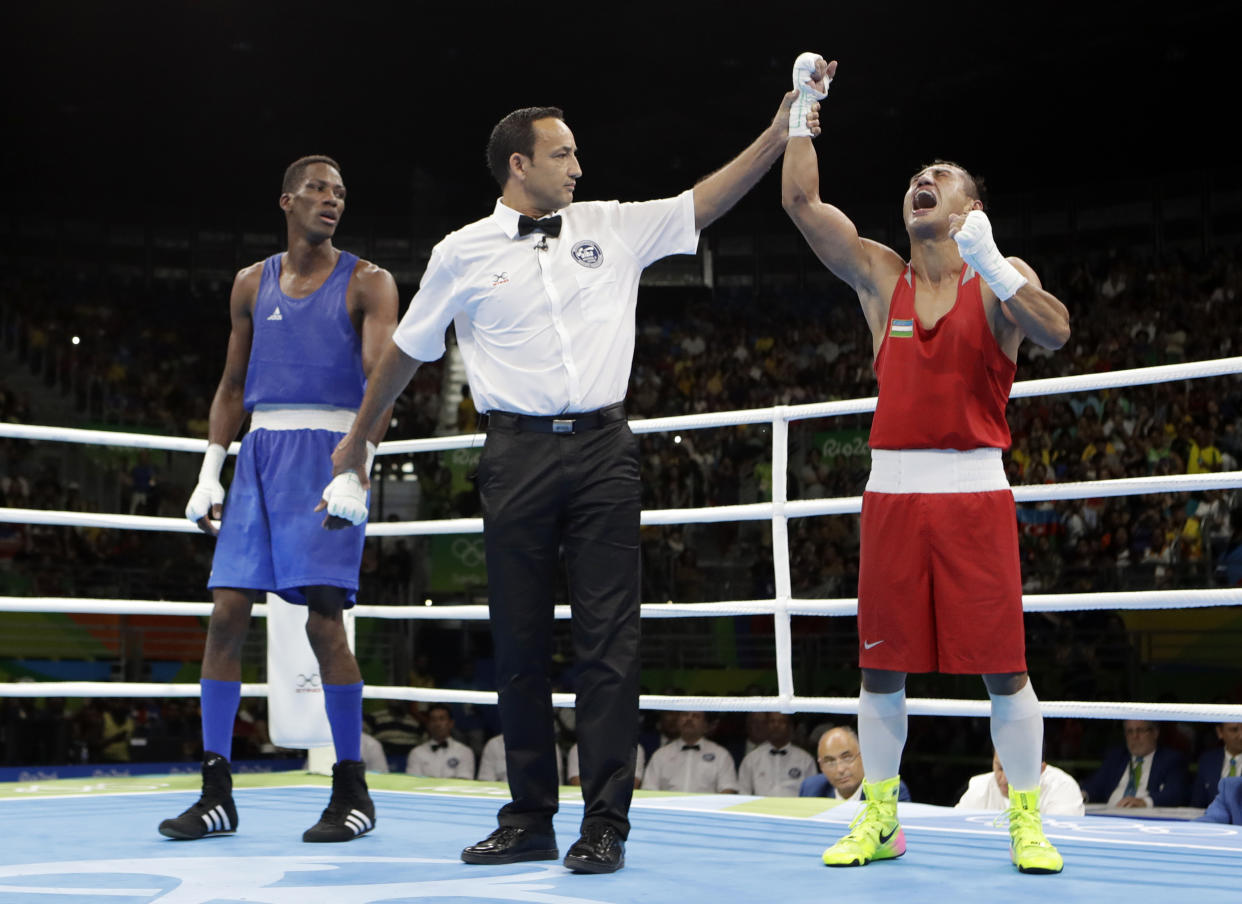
<point x="154" y="372"/>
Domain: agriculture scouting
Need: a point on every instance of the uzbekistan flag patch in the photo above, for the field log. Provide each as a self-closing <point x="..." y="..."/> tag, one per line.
<point x="901" y="329"/>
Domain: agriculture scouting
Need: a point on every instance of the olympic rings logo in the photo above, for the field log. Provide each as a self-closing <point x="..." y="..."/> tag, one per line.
<point x="305" y="681"/>
<point x="467" y="551"/>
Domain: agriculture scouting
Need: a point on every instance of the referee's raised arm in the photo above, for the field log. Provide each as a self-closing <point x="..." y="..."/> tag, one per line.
<point x="715" y="195"/>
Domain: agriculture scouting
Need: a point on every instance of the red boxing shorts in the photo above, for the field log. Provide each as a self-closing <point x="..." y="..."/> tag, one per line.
<point x="940" y="586"/>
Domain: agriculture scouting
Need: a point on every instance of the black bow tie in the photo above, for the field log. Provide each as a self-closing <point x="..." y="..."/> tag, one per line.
<point x="775" y="752"/>
<point x="548" y="225"/>
<point x="440" y="746"/>
<point x="689" y="746"/>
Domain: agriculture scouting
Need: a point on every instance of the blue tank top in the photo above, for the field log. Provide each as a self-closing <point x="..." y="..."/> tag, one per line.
<point x="305" y="351"/>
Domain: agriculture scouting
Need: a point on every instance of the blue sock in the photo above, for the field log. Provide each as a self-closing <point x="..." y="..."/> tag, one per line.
<point x="219" y="706"/>
<point x="344" y="705"/>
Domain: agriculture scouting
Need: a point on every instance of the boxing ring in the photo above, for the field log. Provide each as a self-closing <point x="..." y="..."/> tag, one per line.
<point x="682" y="845"/>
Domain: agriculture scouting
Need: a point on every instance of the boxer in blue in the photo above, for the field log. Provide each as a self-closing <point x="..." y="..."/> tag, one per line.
<point x="307" y="327"/>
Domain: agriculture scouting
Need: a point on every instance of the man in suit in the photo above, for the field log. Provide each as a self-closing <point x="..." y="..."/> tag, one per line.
<point x="841" y="768"/>
<point x="1227" y="807"/>
<point x="1218" y="763"/>
<point x="1139" y="774"/>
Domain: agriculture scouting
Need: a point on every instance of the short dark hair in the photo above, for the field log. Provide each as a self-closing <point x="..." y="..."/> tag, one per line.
<point x="296" y="170"/>
<point x="515" y="134"/>
<point x="975" y="186"/>
<point x="444" y="706"/>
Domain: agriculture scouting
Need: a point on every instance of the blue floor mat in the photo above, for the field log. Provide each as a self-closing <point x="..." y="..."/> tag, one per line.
<point x="105" y="848"/>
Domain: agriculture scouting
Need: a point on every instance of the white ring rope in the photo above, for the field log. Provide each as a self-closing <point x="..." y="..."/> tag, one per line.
<point x="1112" y="379"/>
<point x="754" y="511"/>
<point x="1046" y="602"/>
<point x="778" y="511"/>
<point x="916" y="706"/>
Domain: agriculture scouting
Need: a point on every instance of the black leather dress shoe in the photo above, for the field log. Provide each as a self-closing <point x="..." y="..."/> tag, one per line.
<point x="599" y="850"/>
<point x="509" y="844"/>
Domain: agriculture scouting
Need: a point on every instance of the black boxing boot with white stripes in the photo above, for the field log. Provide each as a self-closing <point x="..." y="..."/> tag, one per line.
<point x="350" y="812"/>
<point x="214" y="814"/>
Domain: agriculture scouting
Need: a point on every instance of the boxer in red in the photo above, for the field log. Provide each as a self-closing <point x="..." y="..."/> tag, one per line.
<point x="939" y="583"/>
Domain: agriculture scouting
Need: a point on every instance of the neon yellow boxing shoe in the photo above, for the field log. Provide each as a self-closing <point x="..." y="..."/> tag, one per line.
<point x="1030" y="851"/>
<point x="875" y="833"/>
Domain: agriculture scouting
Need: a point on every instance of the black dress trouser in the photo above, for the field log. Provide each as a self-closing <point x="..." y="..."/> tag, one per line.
<point x="543" y="492"/>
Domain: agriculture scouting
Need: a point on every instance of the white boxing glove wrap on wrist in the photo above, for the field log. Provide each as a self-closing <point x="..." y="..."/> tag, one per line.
<point x="804" y="72"/>
<point x="978" y="249"/>
<point x="345" y="498"/>
<point x="209" y="491"/>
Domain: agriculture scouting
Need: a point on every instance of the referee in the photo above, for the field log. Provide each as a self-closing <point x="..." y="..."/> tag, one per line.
<point x="543" y="294"/>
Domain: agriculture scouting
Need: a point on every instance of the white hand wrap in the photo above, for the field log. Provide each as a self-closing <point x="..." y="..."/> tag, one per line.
<point x="346" y="498"/>
<point x="803" y="72"/>
<point x="208" y="492"/>
<point x="978" y="248"/>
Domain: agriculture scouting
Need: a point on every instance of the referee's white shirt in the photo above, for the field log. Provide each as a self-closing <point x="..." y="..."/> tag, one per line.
<point x="707" y="770"/>
<point x="774" y="772"/>
<point x="454" y="760"/>
<point x="545" y="325"/>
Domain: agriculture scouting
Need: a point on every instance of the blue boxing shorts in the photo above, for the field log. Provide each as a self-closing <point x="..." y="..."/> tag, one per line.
<point x="271" y="537"/>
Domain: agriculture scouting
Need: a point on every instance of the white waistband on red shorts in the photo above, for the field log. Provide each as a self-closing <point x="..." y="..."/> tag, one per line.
<point x="301" y="417"/>
<point x="936" y="471"/>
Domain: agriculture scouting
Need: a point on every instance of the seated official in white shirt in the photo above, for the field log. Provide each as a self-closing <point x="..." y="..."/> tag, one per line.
<point x="373" y="754"/>
<point x="1059" y="794"/>
<point x="373" y="757"/>
<point x="669" y="722"/>
<point x="640" y="763"/>
<point x="756" y="732"/>
<point x="777" y="767"/>
<point x="443" y="756"/>
<point x="492" y="766"/>
<point x="693" y="763"/>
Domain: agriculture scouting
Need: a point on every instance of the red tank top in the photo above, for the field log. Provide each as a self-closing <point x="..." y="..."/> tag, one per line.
<point x="944" y="387"/>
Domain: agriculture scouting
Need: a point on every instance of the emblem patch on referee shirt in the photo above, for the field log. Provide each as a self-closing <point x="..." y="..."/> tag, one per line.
<point x="795" y="772"/>
<point x="587" y="253"/>
<point x="708" y="757"/>
<point x="901" y="329"/>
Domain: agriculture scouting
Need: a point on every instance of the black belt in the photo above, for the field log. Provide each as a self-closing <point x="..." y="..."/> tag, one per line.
<point x="565" y="424"/>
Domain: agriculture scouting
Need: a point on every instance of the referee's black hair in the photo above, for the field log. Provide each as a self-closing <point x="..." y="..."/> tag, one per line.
<point x="515" y="134"/>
